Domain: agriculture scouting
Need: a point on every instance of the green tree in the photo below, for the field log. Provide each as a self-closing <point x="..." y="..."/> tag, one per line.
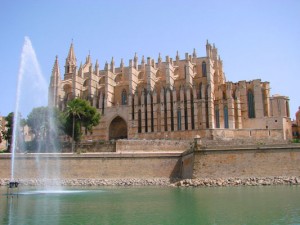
<point x="8" y="132"/>
<point x="46" y="125"/>
<point x="80" y="114"/>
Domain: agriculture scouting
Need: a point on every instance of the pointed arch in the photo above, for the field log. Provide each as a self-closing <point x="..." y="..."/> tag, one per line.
<point x="117" y="129"/>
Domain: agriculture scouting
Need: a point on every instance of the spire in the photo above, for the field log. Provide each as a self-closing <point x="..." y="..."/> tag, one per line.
<point x="112" y="63"/>
<point x="88" y="59"/>
<point x="54" y="86"/>
<point x="143" y="60"/>
<point x="55" y="70"/>
<point x="71" y="56"/>
<point x="106" y="66"/>
<point x="135" y="61"/>
<point x="135" y="57"/>
<point x="122" y="63"/>
<point x="177" y="56"/>
<point x="159" y="58"/>
<point x="70" y="65"/>
<point x="97" y="67"/>
<point x="194" y="53"/>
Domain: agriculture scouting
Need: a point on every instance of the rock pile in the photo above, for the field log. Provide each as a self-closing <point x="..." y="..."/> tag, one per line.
<point x="205" y="182"/>
<point x="250" y="181"/>
<point x="92" y="182"/>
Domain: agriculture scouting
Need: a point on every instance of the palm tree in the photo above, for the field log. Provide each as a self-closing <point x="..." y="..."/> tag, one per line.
<point x="74" y="109"/>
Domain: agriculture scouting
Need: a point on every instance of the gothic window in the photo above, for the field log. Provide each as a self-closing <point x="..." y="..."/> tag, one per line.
<point x="185" y="114"/>
<point x="124" y="97"/>
<point x="140" y="121"/>
<point x="178" y="119"/>
<point x="152" y="115"/>
<point x="206" y="106"/>
<point x="217" y="115"/>
<point x="204" y="69"/>
<point x="132" y="109"/>
<point x="226" y="125"/>
<point x="103" y="100"/>
<point x="251" y="109"/>
<point x="165" y="110"/>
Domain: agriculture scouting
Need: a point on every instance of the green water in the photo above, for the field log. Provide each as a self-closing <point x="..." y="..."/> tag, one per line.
<point x="154" y="205"/>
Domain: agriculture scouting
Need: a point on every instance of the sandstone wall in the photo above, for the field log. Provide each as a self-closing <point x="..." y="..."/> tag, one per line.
<point x="239" y="136"/>
<point x="93" y="166"/>
<point x="247" y="162"/>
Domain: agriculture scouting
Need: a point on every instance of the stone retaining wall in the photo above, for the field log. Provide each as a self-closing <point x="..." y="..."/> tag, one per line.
<point x="247" y="162"/>
<point x="92" y="166"/>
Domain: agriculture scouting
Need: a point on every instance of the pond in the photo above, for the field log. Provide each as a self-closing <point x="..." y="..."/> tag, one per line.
<point x="152" y="205"/>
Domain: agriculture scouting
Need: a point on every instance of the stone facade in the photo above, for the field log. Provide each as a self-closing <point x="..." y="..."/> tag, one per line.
<point x="175" y="98"/>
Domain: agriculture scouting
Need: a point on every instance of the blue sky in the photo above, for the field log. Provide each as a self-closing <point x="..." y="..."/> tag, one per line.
<point x="255" y="39"/>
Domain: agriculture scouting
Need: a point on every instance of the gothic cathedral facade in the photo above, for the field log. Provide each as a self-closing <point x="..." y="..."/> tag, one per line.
<point x="171" y="99"/>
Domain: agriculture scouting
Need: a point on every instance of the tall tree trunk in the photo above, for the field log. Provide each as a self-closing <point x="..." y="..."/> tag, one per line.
<point x="73" y="132"/>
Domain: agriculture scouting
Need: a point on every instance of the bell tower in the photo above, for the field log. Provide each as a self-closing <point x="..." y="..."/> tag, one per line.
<point x="70" y="66"/>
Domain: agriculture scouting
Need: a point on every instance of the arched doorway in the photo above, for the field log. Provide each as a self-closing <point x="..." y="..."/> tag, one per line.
<point x="117" y="129"/>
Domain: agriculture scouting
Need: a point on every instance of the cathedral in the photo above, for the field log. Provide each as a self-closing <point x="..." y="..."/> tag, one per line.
<point x="174" y="98"/>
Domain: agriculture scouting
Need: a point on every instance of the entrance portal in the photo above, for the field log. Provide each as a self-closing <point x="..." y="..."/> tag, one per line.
<point x="117" y="129"/>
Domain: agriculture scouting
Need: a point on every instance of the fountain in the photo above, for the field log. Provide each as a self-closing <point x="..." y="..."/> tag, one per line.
<point x="32" y="92"/>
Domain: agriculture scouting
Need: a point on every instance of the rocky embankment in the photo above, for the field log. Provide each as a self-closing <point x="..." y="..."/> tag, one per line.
<point x="205" y="182"/>
<point x="251" y="181"/>
<point x="92" y="182"/>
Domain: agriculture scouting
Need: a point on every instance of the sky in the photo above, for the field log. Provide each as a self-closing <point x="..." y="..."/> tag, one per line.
<point x="256" y="39"/>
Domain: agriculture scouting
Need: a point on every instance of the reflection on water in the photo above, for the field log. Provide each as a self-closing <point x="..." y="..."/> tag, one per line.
<point x="154" y="205"/>
<point x="39" y="192"/>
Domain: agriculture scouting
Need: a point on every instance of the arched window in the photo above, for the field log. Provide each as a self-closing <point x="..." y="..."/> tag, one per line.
<point x="204" y="69"/>
<point x="178" y="119"/>
<point x="206" y="106"/>
<point x="140" y="121"/>
<point x="251" y="109"/>
<point x="226" y="125"/>
<point x="217" y="115"/>
<point x="124" y="97"/>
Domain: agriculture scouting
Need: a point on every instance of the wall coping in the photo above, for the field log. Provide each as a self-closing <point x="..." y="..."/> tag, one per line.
<point x="249" y="148"/>
<point x="94" y="155"/>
